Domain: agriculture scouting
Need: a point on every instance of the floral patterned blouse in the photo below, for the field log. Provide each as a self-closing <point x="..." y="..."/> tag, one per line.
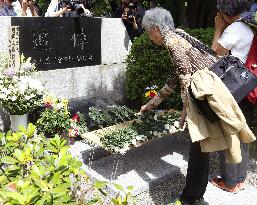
<point x="187" y="60"/>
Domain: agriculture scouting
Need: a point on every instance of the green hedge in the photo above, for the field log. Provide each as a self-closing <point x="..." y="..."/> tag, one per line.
<point x="149" y="64"/>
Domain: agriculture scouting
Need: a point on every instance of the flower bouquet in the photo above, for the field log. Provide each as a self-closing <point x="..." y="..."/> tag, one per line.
<point x="150" y="92"/>
<point x="20" y="93"/>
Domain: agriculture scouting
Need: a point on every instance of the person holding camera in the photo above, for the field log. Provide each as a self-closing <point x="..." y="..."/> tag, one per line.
<point x="67" y="8"/>
<point x="25" y="8"/>
<point x="6" y="8"/>
<point x="132" y="20"/>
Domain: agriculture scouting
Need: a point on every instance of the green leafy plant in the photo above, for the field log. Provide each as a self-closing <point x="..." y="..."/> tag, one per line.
<point x="20" y="92"/>
<point x="110" y="115"/>
<point x="55" y="118"/>
<point x="34" y="170"/>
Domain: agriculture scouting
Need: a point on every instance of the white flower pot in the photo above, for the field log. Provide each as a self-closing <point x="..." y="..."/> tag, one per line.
<point x="18" y="120"/>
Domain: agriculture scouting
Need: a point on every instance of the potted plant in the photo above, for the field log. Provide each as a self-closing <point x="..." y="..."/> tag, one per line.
<point x="56" y="119"/>
<point x="20" y="92"/>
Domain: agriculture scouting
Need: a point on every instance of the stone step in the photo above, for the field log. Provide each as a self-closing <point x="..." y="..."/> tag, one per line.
<point x="142" y="167"/>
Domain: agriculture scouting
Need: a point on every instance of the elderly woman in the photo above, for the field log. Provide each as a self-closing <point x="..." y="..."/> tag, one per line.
<point x="159" y="25"/>
<point x="235" y="37"/>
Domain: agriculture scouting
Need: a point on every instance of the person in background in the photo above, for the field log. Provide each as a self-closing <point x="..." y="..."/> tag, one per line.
<point x="235" y="37"/>
<point x="132" y="19"/>
<point x="62" y="9"/>
<point x="25" y="8"/>
<point x="6" y="8"/>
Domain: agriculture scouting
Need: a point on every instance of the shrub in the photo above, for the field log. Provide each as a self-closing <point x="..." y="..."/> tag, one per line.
<point x="149" y="64"/>
<point x="203" y="35"/>
<point x="34" y="170"/>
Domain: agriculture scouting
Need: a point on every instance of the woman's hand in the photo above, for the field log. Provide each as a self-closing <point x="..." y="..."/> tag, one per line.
<point x="220" y="23"/>
<point x="146" y="108"/>
<point x="182" y="118"/>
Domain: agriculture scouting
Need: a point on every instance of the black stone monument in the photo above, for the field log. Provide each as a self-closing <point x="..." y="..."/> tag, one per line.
<point x="56" y="42"/>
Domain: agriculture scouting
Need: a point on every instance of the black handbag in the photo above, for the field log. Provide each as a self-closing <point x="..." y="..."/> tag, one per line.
<point x="237" y="78"/>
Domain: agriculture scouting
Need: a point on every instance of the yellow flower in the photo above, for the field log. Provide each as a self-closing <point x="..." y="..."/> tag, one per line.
<point x="150" y="94"/>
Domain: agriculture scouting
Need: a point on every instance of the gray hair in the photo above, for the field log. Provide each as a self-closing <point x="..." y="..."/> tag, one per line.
<point x="158" y="17"/>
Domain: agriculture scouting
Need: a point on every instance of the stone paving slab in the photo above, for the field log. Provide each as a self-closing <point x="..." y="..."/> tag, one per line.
<point x="215" y="196"/>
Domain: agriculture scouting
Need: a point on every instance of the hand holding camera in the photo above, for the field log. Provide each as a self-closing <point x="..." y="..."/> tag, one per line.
<point x="25" y="4"/>
<point x="129" y="15"/>
<point x="73" y="6"/>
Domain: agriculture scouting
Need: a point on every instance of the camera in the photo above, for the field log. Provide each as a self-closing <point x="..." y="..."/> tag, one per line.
<point x="131" y="13"/>
<point x="74" y="5"/>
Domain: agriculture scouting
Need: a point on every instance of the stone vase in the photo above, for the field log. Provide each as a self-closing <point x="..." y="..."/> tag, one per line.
<point x="18" y="120"/>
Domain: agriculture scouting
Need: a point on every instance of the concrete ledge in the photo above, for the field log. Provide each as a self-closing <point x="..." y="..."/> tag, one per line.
<point x="103" y="81"/>
<point x="5" y="22"/>
<point x="115" y="41"/>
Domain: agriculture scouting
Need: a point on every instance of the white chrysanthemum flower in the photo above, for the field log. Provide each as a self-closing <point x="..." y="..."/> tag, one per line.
<point x="123" y="151"/>
<point x="159" y="135"/>
<point x="167" y="126"/>
<point x="36" y="84"/>
<point x="176" y="123"/>
<point x="172" y="129"/>
<point x="165" y="132"/>
<point x="155" y="117"/>
<point x="26" y="66"/>
<point x="14" y="98"/>
<point x="4" y="90"/>
<point x="139" y="137"/>
<point x="59" y="106"/>
<point x="126" y="145"/>
<point x="2" y="96"/>
<point x="155" y="133"/>
<point x="27" y="97"/>
<point x="116" y="149"/>
<point x="134" y="142"/>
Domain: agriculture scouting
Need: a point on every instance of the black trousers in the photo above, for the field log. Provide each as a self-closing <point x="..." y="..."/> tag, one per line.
<point x="197" y="174"/>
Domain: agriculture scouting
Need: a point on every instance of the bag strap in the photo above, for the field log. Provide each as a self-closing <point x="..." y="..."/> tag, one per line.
<point x="195" y="43"/>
